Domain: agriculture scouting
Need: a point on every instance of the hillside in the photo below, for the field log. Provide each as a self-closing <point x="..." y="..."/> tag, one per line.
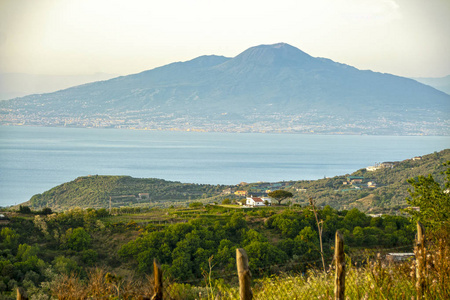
<point x="388" y="191"/>
<point x="95" y="192"/>
<point x="267" y="88"/>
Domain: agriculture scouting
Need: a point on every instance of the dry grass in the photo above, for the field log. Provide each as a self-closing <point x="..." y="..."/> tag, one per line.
<point x="100" y="285"/>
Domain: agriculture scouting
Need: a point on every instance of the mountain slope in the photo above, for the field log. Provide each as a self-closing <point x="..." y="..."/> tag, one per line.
<point x="268" y="87"/>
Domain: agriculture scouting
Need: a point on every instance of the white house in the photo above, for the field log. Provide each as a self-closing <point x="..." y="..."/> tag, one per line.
<point x="257" y="201"/>
<point x="372" y="168"/>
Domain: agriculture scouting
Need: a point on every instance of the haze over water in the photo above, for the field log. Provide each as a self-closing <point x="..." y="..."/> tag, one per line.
<point x="35" y="159"/>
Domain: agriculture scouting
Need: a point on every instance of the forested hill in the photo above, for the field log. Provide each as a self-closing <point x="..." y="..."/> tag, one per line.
<point x="379" y="191"/>
<point x="95" y="192"/>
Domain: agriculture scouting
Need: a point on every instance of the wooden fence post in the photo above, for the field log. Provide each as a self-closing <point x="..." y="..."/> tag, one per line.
<point x="21" y="294"/>
<point x="245" y="290"/>
<point x="420" y="260"/>
<point x="158" y="285"/>
<point x="339" y="281"/>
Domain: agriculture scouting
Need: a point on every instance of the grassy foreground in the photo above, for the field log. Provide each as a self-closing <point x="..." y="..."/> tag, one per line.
<point x="375" y="280"/>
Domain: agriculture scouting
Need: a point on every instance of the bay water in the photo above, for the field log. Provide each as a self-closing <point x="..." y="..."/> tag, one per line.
<point x="35" y="159"/>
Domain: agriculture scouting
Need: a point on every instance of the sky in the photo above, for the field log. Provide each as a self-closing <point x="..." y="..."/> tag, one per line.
<point x="409" y="38"/>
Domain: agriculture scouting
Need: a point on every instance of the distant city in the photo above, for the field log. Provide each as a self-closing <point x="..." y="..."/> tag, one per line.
<point x="277" y="123"/>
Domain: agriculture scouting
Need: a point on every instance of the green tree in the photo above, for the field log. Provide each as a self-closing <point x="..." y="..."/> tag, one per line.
<point x="432" y="200"/>
<point x="195" y="205"/>
<point x="358" y="234"/>
<point x="226" y="254"/>
<point x="263" y="254"/>
<point x="24" y="209"/>
<point x="89" y="257"/>
<point x="46" y="211"/>
<point x="25" y="251"/>
<point x="306" y="244"/>
<point x="280" y="195"/>
<point x="9" y="238"/>
<point x="226" y="201"/>
<point x="354" y="218"/>
<point x="288" y="223"/>
<point x="78" y="239"/>
<point x="65" y="265"/>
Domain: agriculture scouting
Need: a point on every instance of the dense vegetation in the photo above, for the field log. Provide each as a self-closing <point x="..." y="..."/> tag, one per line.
<point x="387" y="197"/>
<point x="36" y="249"/>
<point x="95" y="192"/>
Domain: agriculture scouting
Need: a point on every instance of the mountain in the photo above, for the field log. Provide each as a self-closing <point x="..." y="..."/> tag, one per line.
<point x="440" y="83"/>
<point x="267" y="88"/>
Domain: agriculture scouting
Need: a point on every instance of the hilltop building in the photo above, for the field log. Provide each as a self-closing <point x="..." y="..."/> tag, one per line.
<point x="241" y="193"/>
<point x="387" y="164"/>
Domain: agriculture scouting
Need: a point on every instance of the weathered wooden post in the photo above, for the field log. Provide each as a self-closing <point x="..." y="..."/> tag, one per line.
<point x="339" y="282"/>
<point x="420" y="260"/>
<point x="245" y="290"/>
<point x="379" y="262"/>
<point x="21" y="294"/>
<point x="158" y="285"/>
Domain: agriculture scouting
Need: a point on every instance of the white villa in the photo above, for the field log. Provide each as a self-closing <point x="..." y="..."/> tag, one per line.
<point x="387" y="164"/>
<point x="257" y="201"/>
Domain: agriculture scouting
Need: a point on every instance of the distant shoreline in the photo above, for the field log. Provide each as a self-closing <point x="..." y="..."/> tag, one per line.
<point x="219" y="131"/>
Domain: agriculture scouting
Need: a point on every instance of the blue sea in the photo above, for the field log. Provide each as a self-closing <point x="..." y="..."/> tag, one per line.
<point x="35" y="159"/>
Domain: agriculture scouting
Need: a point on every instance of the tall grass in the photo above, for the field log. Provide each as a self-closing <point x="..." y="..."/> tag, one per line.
<point x="99" y="285"/>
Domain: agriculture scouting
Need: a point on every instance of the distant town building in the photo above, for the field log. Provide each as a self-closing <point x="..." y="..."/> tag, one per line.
<point x="144" y="196"/>
<point x="372" y="168"/>
<point x="241" y="193"/>
<point x="4" y="219"/>
<point x="387" y="164"/>
<point x="227" y="191"/>
<point x="375" y="215"/>
<point x="355" y="179"/>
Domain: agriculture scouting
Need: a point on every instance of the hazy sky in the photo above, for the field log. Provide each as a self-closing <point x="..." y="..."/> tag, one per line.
<point x="403" y="37"/>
